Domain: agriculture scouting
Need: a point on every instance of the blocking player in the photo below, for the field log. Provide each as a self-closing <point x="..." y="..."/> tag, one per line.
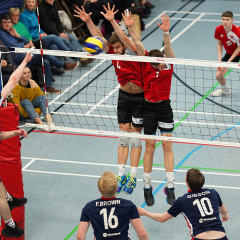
<point x="157" y="112"/>
<point x="200" y="207"/>
<point x="228" y="36"/>
<point x="110" y="216"/>
<point x="130" y="99"/>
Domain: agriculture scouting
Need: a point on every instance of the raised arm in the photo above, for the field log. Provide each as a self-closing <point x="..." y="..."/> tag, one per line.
<point x="14" y="78"/>
<point x="155" y="216"/>
<point x="91" y="26"/>
<point x="109" y="15"/>
<point x="134" y="35"/>
<point x="166" y="36"/>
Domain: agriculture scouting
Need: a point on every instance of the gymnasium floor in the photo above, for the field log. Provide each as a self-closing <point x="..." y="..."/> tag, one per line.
<point x="61" y="169"/>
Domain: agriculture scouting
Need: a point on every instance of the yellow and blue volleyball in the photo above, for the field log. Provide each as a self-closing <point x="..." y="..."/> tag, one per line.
<point x="94" y="45"/>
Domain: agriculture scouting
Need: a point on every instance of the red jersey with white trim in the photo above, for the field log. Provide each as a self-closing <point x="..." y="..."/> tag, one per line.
<point x="231" y="40"/>
<point x="127" y="71"/>
<point x="156" y="84"/>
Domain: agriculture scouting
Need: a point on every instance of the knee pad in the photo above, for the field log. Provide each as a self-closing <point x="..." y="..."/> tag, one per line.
<point x="123" y="141"/>
<point x="136" y="142"/>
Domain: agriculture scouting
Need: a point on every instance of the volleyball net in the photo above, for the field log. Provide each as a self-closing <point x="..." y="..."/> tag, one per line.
<point x="88" y="102"/>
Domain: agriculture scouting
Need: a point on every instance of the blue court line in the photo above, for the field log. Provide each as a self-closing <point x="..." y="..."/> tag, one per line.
<point x="186" y="158"/>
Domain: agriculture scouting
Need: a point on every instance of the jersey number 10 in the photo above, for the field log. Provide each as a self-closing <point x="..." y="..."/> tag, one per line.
<point x="202" y="206"/>
<point x="110" y="221"/>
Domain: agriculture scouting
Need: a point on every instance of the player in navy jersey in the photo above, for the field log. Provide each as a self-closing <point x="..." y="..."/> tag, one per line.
<point x="200" y="207"/>
<point x="157" y="112"/>
<point x="228" y="36"/>
<point x="7" y="201"/>
<point x="110" y="216"/>
<point x="130" y="99"/>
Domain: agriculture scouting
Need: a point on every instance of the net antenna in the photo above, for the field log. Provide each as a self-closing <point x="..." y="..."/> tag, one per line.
<point x="88" y="105"/>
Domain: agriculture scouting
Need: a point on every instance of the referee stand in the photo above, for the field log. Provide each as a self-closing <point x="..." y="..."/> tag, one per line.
<point x="11" y="164"/>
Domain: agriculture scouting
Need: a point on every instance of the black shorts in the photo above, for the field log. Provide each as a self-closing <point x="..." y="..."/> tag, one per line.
<point x="227" y="56"/>
<point x="157" y="116"/>
<point x="130" y="108"/>
<point x="224" y="238"/>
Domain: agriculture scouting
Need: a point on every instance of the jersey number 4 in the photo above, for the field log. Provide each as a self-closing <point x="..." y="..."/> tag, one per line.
<point x="110" y="221"/>
<point x="202" y="206"/>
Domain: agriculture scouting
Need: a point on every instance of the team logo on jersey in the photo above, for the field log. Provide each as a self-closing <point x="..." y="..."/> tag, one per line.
<point x="229" y="43"/>
<point x="110" y="234"/>
<point x="201" y="220"/>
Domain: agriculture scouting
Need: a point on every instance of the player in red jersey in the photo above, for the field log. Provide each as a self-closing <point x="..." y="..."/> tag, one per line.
<point x="157" y="112"/>
<point x="228" y="36"/>
<point x="130" y="99"/>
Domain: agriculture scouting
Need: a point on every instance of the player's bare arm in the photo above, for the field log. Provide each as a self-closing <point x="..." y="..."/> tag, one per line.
<point x="155" y="216"/>
<point x="165" y="26"/>
<point x="14" y="78"/>
<point x="82" y="230"/>
<point x="109" y="15"/>
<point x="224" y="213"/>
<point x="6" y="135"/>
<point x="80" y="13"/>
<point x="134" y="35"/>
<point x="139" y="228"/>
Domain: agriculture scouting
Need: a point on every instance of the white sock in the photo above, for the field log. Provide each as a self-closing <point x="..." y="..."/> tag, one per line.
<point x="224" y="86"/>
<point x="10" y="223"/>
<point x="147" y="180"/>
<point x="9" y="197"/>
<point x="170" y="179"/>
<point x="121" y="169"/>
<point x="133" y="171"/>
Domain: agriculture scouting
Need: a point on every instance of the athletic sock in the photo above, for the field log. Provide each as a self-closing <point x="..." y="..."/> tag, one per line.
<point x="147" y="180"/>
<point x="9" y="197"/>
<point x="121" y="169"/>
<point x="224" y="86"/>
<point x="10" y="223"/>
<point x="133" y="171"/>
<point x="170" y="179"/>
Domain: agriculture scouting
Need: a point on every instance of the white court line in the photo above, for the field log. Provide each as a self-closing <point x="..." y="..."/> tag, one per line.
<point x="206" y="13"/>
<point x="27" y="165"/>
<point x="177" y="111"/>
<point x="139" y="180"/>
<point x="115" y="165"/>
<point x="175" y="121"/>
<point x="200" y="20"/>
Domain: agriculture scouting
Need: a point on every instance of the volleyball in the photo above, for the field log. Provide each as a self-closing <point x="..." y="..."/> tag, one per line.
<point x="94" y="45"/>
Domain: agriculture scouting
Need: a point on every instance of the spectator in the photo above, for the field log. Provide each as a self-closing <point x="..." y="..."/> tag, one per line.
<point x="10" y="37"/>
<point x="95" y="7"/>
<point x="30" y="98"/>
<point x="6" y="63"/>
<point x="51" y="24"/>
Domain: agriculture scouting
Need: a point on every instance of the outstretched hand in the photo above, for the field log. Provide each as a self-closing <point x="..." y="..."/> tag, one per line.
<point x="82" y="14"/>
<point x="165" y="23"/>
<point x="21" y="133"/>
<point x="128" y="19"/>
<point x="28" y="57"/>
<point x="109" y="15"/>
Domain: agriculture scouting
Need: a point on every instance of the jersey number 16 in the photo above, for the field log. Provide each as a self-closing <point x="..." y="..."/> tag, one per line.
<point x="110" y="221"/>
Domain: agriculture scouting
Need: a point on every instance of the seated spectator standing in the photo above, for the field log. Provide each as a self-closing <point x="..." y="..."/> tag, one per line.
<point x="6" y="63"/>
<point x="10" y="37"/>
<point x="30" y="98"/>
<point x="51" y="24"/>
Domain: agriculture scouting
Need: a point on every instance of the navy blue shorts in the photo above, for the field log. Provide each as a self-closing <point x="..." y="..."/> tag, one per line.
<point x="224" y="238"/>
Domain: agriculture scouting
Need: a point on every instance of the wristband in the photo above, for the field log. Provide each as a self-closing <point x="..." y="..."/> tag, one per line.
<point x="166" y="32"/>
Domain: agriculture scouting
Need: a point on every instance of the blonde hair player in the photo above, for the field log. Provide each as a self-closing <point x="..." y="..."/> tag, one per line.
<point x="110" y="216"/>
